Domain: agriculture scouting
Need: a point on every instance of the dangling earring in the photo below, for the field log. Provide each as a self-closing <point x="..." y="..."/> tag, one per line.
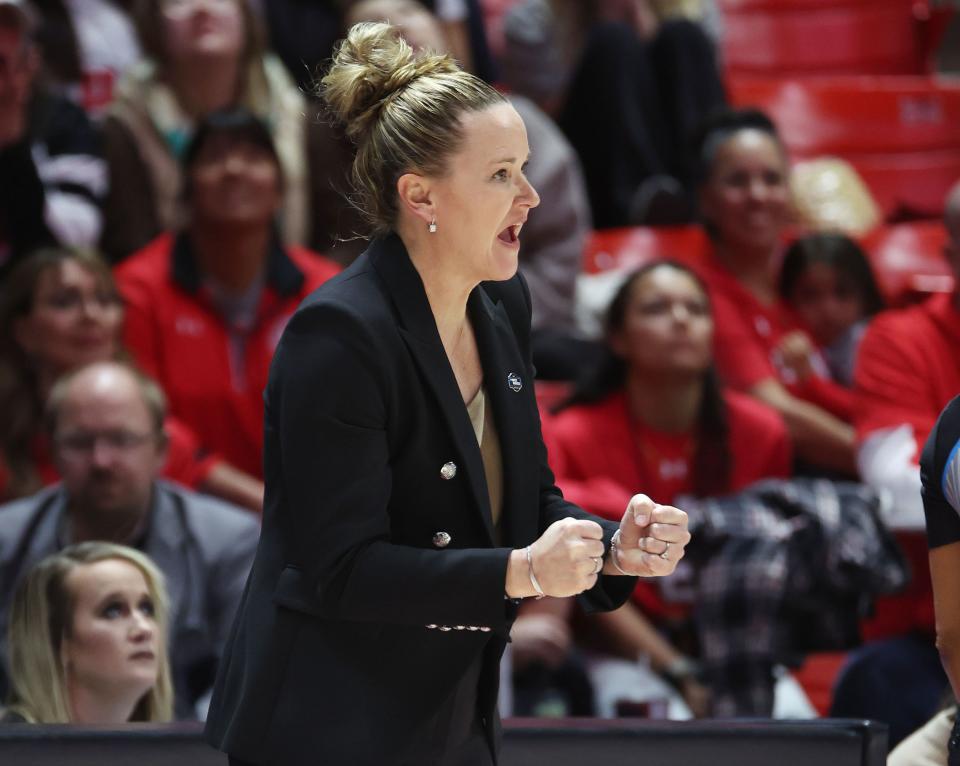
<point x="432" y="228"/>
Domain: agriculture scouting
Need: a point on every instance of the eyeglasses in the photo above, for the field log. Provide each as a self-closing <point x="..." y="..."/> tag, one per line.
<point x="82" y="444"/>
<point x="183" y="8"/>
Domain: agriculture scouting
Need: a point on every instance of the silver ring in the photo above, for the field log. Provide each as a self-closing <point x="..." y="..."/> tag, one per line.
<point x="599" y="560"/>
<point x="666" y="551"/>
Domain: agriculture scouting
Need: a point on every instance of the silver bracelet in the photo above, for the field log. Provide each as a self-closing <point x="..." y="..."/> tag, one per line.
<point x="613" y="553"/>
<point x="533" y="577"/>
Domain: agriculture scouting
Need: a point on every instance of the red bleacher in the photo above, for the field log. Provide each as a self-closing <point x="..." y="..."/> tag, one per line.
<point x="803" y="37"/>
<point x="902" y="134"/>
<point x="632" y="247"/>
<point x="907" y="258"/>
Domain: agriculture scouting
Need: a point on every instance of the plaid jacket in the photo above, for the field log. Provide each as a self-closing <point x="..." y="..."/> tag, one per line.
<point x="784" y="568"/>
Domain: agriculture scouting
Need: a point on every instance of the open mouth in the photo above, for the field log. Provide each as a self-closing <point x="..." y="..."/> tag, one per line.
<point x="511" y="235"/>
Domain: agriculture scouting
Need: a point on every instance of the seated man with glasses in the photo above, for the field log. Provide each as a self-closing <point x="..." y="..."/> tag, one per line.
<point x="105" y="423"/>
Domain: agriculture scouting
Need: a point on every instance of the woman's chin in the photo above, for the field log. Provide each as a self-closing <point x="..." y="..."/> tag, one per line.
<point x="504" y="262"/>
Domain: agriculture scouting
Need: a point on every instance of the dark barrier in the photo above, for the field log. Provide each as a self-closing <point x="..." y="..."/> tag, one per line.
<point x="570" y="742"/>
<point x="626" y="742"/>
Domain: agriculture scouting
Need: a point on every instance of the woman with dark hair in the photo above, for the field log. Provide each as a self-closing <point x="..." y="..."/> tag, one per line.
<point x="60" y="311"/>
<point x="214" y="296"/>
<point x="827" y="280"/>
<point x="653" y="415"/>
<point x="760" y="346"/>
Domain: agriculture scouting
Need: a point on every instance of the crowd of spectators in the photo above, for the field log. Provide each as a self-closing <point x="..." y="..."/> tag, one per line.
<point x="170" y="191"/>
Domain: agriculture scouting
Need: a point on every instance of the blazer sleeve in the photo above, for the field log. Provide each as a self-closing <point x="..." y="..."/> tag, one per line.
<point x="327" y="401"/>
<point x="609" y="592"/>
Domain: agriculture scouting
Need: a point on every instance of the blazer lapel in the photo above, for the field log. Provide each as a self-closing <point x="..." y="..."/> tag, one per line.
<point x="419" y="331"/>
<point x="508" y="393"/>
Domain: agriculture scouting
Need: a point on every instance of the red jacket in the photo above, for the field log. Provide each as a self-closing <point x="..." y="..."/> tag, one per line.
<point x="213" y="375"/>
<point x="746" y="336"/>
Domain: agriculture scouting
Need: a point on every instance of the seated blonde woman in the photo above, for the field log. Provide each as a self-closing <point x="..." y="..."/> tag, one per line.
<point x="88" y="640"/>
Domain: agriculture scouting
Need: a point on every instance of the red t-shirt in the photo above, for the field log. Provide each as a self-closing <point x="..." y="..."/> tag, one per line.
<point x="187" y="463"/>
<point x="746" y="337"/>
<point x="601" y="458"/>
<point x="181" y="339"/>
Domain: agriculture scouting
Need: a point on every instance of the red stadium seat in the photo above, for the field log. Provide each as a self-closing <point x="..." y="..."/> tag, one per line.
<point x="800" y="37"/>
<point x="908" y="260"/>
<point x="633" y="247"/>
<point x="902" y="134"/>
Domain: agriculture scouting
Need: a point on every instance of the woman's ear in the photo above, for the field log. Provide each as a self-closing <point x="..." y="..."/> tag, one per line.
<point x="415" y="195"/>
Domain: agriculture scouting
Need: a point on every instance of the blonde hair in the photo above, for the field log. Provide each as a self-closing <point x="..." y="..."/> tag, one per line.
<point x="401" y="109"/>
<point x="42" y="616"/>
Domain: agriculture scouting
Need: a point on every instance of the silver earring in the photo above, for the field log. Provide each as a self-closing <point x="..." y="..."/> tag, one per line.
<point x="432" y="228"/>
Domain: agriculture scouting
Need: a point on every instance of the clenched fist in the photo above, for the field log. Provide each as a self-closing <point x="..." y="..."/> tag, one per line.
<point x="566" y="560"/>
<point x="651" y="540"/>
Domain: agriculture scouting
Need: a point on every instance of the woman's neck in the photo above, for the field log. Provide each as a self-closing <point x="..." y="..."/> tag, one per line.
<point x="89" y="707"/>
<point x="666" y="404"/>
<point x="207" y="87"/>
<point x="751" y="268"/>
<point x="232" y="256"/>
<point x="447" y="291"/>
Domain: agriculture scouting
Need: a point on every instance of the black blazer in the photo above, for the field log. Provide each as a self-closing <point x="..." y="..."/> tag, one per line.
<point x="357" y="622"/>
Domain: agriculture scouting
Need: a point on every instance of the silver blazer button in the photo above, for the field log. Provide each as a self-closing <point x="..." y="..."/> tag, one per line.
<point x="448" y="470"/>
<point x="441" y="539"/>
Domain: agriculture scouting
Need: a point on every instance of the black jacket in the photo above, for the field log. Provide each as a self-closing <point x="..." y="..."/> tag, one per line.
<point x="355" y="626"/>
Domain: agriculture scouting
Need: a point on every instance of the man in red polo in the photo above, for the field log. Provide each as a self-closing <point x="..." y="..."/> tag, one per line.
<point x="206" y="305"/>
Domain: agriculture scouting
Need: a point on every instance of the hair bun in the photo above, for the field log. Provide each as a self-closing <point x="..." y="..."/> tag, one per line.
<point x="373" y="63"/>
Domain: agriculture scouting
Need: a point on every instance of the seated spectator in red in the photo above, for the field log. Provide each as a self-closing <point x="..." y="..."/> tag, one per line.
<point x="653" y="416"/>
<point x="907" y="371"/>
<point x="760" y="347"/>
<point x="52" y="175"/>
<point x="827" y="280"/>
<point x="206" y="304"/>
<point x="203" y="57"/>
<point x="105" y="422"/>
<point x="88" y="639"/>
<point x="60" y="310"/>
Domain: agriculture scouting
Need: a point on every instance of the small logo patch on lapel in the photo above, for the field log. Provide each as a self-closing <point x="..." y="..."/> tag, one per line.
<point x="513" y="380"/>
